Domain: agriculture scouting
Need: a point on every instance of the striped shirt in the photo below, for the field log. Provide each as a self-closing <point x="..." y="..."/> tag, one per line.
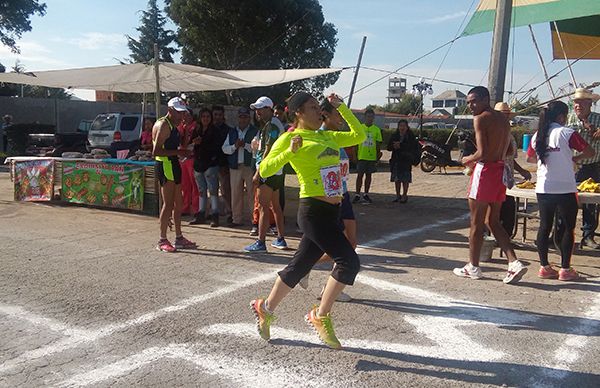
<point x="586" y="134"/>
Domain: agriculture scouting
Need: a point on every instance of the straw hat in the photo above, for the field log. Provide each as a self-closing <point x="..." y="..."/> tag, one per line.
<point x="585" y="94"/>
<point x="504" y="108"/>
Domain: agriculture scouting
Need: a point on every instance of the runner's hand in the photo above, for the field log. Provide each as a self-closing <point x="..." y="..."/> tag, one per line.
<point x="295" y="144"/>
<point x="335" y="100"/>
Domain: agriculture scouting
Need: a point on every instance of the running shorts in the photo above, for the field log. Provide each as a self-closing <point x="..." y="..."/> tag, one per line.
<point x="486" y="182"/>
<point x="168" y="170"/>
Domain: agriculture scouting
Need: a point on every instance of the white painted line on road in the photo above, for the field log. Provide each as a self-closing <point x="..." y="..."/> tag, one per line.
<point x="81" y="337"/>
<point x="241" y="371"/>
<point x="19" y="313"/>
<point x="568" y="353"/>
<point x="405" y="233"/>
<point x="446" y="347"/>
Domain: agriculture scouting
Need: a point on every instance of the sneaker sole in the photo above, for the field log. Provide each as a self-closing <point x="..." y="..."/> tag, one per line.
<point x="280" y="247"/>
<point x="467" y="276"/>
<point x="166" y="251"/>
<point x="518" y="276"/>
<point x="257" y="320"/>
<point x="261" y="251"/>
<point x="307" y="319"/>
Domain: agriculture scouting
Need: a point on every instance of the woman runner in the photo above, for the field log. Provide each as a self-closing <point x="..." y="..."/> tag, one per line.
<point x="315" y="157"/>
<point x="552" y="148"/>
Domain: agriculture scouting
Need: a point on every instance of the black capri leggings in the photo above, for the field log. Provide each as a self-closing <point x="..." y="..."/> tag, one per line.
<point x="567" y="207"/>
<point x="320" y="224"/>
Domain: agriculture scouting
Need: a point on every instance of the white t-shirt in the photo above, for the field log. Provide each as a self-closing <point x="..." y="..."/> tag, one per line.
<point x="556" y="176"/>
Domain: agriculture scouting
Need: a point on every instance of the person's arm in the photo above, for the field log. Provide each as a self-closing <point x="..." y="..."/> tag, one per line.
<point x="479" y="133"/>
<point x="524" y="173"/>
<point x="228" y="149"/>
<point x="280" y="154"/>
<point x="390" y="145"/>
<point x="585" y="150"/>
<point x="160" y="134"/>
<point x="531" y="154"/>
<point x="357" y="131"/>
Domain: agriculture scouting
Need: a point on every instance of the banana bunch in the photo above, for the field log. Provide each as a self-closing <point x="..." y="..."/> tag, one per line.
<point x="526" y="185"/>
<point x="589" y="186"/>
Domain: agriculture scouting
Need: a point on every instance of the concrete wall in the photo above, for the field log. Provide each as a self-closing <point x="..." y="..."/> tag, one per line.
<point x="66" y="114"/>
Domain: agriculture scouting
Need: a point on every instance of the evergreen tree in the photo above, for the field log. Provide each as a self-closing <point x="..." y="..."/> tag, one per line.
<point x="152" y="30"/>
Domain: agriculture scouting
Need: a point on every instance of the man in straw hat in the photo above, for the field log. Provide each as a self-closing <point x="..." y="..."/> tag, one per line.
<point x="587" y="123"/>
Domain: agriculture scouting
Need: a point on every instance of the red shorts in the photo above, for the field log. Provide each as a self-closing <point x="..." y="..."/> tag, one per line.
<point x="486" y="182"/>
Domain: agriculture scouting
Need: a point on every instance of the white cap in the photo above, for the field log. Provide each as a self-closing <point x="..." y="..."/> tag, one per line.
<point x="262" y="102"/>
<point x="178" y="104"/>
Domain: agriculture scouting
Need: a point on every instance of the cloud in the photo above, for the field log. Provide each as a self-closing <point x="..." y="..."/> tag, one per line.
<point x="439" y="19"/>
<point x="96" y="41"/>
<point x="34" y="56"/>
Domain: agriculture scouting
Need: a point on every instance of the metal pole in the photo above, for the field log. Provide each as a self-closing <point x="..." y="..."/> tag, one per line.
<point x="362" y="49"/>
<point x="565" y="54"/>
<point x="537" y="49"/>
<point x="157" y="80"/>
<point x="499" y="55"/>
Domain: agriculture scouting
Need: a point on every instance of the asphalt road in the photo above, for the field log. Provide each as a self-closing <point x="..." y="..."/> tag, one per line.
<point x="85" y="300"/>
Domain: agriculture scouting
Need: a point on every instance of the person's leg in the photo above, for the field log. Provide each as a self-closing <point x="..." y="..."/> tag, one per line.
<point x="186" y="189"/>
<point x="405" y="189"/>
<point x="278" y="213"/>
<point x="247" y="175"/>
<point x="507" y="215"/>
<point x="167" y="191"/>
<point x="478" y="212"/>
<point x="265" y="196"/>
<point x="237" y="194"/>
<point x="499" y="232"/>
<point x="359" y="180"/>
<point x="224" y="182"/>
<point x="547" y="207"/>
<point x="177" y="204"/>
<point x="350" y="232"/>
<point x="203" y="191"/>
<point x="256" y="208"/>
<point x="212" y="180"/>
<point x="398" y="185"/>
<point x="567" y="209"/>
<point x="368" y="182"/>
<point x="282" y="193"/>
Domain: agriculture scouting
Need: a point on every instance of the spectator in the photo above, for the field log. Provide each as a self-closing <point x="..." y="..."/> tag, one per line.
<point x="238" y="148"/>
<point x="218" y="114"/>
<point x="189" y="187"/>
<point x="552" y="148"/>
<point x="207" y="148"/>
<point x="369" y="154"/>
<point x="146" y="137"/>
<point x="405" y="150"/>
<point x="587" y="123"/>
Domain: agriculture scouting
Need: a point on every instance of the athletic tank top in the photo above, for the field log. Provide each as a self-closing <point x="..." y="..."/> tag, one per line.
<point x="172" y="142"/>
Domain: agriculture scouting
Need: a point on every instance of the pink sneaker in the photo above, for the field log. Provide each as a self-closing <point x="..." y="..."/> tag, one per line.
<point x="184" y="243"/>
<point x="567" y="274"/>
<point x="547" y="273"/>
<point x="165" y="246"/>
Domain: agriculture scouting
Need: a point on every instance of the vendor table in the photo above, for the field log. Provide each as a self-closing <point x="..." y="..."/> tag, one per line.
<point x="150" y="186"/>
<point x="522" y="198"/>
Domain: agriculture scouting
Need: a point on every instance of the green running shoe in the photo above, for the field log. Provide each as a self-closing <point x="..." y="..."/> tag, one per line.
<point x="323" y="326"/>
<point x="263" y="318"/>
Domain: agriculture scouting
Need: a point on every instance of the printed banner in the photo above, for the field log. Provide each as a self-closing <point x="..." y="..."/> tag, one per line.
<point x="34" y="180"/>
<point x="103" y="184"/>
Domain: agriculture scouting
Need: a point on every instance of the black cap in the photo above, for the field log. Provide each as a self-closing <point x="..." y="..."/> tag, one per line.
<point x="243" y="111"/>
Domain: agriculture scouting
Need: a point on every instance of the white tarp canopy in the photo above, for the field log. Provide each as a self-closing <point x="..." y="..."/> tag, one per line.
<point x="139" y="78"/>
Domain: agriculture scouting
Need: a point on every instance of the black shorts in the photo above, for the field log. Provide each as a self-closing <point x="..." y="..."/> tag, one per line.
<point x="275" y="182"/>
<point x="366" y="166"/>
<point x="169" y="170"/>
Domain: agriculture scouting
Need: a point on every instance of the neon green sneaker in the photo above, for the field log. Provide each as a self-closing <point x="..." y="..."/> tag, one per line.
<point x="263" y="318"/>
<point x="323" y="326"/>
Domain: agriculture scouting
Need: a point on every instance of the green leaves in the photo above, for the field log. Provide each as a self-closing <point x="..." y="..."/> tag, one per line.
<point x="14" y="20"/>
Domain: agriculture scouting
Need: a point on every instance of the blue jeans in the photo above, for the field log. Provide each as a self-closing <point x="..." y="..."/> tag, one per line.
<point x="208" y="183"/>
<point x="590" y="212"/>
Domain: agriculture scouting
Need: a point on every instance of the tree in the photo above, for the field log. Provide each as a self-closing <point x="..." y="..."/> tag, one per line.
<point x="14" y="20"/>
<point x="152" y="30"/>
<point x="528" y="108"/>
<point x="408" y="105"/>
<point x="256" y="34"/>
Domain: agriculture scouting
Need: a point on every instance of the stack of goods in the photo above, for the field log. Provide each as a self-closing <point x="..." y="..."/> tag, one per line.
<point x="72" y="155"/>
<point x="142" y="156"/>
<point x="589" y="186"/>
<point x="526" y="185"/>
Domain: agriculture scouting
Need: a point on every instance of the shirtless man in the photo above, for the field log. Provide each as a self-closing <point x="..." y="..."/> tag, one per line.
<point x="486" y="189"/>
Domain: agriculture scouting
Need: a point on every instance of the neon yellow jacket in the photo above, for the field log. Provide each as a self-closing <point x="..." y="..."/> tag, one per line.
<point x="318" y="158"/>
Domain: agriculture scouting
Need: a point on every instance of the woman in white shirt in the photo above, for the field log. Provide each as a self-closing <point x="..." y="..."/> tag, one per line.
<point x="552" y="148"/>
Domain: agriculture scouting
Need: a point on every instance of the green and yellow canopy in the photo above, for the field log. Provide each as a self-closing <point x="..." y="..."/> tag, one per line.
<point x="578" y="22"/>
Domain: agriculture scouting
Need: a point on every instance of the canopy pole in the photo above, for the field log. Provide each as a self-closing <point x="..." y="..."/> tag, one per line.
<point x="362" y="49"/>
<point x="499" y="55"/>
<point x="562" y="47"/>
<point x="144" y="101"/>
<point x="157" y="79"/>
<point x="537" y="49"/>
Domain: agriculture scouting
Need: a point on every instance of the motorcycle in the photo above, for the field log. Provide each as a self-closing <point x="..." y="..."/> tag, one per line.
<point x="435" y="154"/>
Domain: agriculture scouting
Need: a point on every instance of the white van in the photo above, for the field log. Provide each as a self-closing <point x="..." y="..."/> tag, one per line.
<point x="113" y="127"/>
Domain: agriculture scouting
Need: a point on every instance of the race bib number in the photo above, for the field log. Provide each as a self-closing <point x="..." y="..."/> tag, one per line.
<point x="332" y="181"/>
<point x="344" y="169"/>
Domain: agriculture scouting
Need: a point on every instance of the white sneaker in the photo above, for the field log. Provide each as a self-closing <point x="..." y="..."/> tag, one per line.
<point x="304" y="281"/>
<point x="342" y="297"/>
<point x="468" y="271"/>
<point x="515" y="272"/>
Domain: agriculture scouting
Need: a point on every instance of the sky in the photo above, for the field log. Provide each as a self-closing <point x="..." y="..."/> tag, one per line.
<point x="76" y="33"/>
